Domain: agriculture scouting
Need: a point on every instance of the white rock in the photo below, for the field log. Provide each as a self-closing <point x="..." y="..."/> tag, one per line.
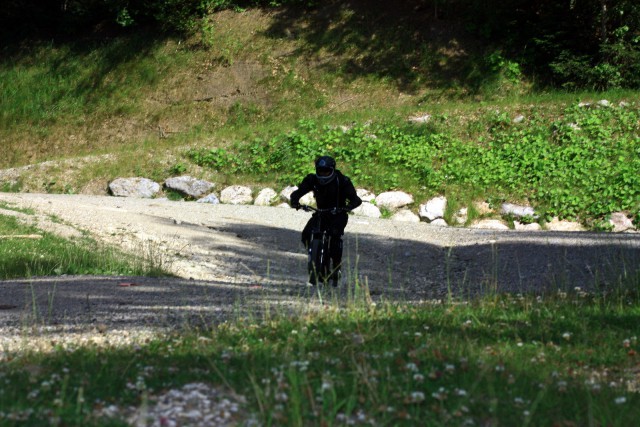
<point x="211" y="198"/>
<point x="420" y="119"/>
<point x="439" y="222"/>
<point x="266" y="197"/>
<point x="561" y="225"/>
<point x="621" y="222"/>
<point x="534" y="226"/>
<point x="189" y="185"/>
<point x="236" y="195"/>
<point x="461" y="216"/>
<point x="285" y="194"/>
<point x="518" y="119"/>
<point x="367" y="209"/>
<point x="308" y="199"/>
<point x="604" y="103"/>
<point x="517" y="211"/>
<point x="394" y="200"/>
<point x="405" y="215"/>
<point x="490" y="224"/>
<point x="433" y="209"/>
<point x="365" y="195"/>
<point x="134" y="187"/>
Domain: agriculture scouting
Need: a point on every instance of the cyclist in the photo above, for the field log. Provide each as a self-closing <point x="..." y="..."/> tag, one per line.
<point x="332" y="190"/>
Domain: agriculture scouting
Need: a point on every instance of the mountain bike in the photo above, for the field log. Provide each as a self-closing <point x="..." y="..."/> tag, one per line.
<point x="319" y="260"/>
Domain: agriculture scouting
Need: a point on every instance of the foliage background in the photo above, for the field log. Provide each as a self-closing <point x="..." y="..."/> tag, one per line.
<point x="592" y="44"/>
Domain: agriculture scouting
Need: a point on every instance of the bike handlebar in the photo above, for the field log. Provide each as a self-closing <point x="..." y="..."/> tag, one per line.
<point x="308" y="208"/>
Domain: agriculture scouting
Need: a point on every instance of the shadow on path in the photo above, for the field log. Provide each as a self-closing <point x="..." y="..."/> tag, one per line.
<point x="273" y="272"/>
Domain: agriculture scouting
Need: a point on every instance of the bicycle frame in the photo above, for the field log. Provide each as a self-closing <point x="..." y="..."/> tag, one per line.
<point x="319" y="258"/>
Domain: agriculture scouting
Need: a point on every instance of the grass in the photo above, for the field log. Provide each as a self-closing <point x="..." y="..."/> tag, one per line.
<point x="48" y="255"/>
<point x="561" y="359"/>
<point x="498" y="360"/>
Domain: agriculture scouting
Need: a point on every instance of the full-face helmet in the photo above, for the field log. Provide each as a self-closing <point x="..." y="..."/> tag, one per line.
<point x="325" y="170"/>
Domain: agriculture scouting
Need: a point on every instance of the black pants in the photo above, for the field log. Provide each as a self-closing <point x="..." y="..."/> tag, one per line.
<point x="335" y="225"/>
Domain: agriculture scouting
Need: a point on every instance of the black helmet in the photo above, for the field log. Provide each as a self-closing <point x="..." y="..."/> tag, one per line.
<point x="325" y="169"/>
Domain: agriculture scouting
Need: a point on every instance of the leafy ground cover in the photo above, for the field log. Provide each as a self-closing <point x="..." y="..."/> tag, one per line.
<point x="581" y="164"/>
<point x="559" y="359"/>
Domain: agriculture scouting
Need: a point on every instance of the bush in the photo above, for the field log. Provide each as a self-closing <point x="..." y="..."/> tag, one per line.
<point x="582" y="165"/>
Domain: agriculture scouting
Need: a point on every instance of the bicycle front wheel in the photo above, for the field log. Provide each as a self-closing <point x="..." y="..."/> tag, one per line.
<point x="316" y="261"/>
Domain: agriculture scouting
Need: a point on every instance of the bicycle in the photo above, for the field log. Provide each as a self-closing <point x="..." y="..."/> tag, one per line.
<point x="319" y="255"/>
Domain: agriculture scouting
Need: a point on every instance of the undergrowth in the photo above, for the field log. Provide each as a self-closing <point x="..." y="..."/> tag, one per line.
<point x="581" y="164"/>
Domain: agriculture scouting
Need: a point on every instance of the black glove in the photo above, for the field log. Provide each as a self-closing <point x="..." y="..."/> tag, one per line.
<point x="296" y="206"/>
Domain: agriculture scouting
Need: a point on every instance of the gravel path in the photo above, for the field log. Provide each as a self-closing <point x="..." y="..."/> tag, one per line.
<point x="234" y="260"/>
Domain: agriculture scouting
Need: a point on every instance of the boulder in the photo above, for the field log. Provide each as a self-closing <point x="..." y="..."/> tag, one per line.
<point x="308" y="199"/>
<point x="534" y="226"/>
<point x="236" y="195"/>
<point x="517" y="211"/>
<point x="266" y="197"/>
<point x="211" y="199"/>
<point x="433" y="209"/>
<point x="621" y="222"/>
<point x="461" y="216"/>
<point x="285" y="194"/>
<point x="365" y="195"/>
<point x="560" y="225"/>
<point x="367" y="209"/>
<point x="189" y="186"/>
<point x="394" y="200"/>
<point x="439" y="222"/>
<point x="134" y="187"/>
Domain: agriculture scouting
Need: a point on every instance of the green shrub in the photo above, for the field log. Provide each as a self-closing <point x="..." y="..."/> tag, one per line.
<point x="582" y="165"/>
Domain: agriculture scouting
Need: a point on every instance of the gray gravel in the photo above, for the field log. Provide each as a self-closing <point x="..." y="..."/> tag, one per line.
<point x="242" y="260"/>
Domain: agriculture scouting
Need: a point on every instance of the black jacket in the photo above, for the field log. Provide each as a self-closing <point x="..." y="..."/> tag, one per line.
<point x="339" y="193"/>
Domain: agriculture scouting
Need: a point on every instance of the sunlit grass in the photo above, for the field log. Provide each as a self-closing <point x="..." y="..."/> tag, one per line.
<point x="44" y="254"/>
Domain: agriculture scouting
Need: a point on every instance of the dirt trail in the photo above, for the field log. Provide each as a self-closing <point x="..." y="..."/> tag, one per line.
<point x="225" y="256"/>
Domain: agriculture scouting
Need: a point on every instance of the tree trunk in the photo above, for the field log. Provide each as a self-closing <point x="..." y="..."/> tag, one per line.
<point x="603" y="20"/>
